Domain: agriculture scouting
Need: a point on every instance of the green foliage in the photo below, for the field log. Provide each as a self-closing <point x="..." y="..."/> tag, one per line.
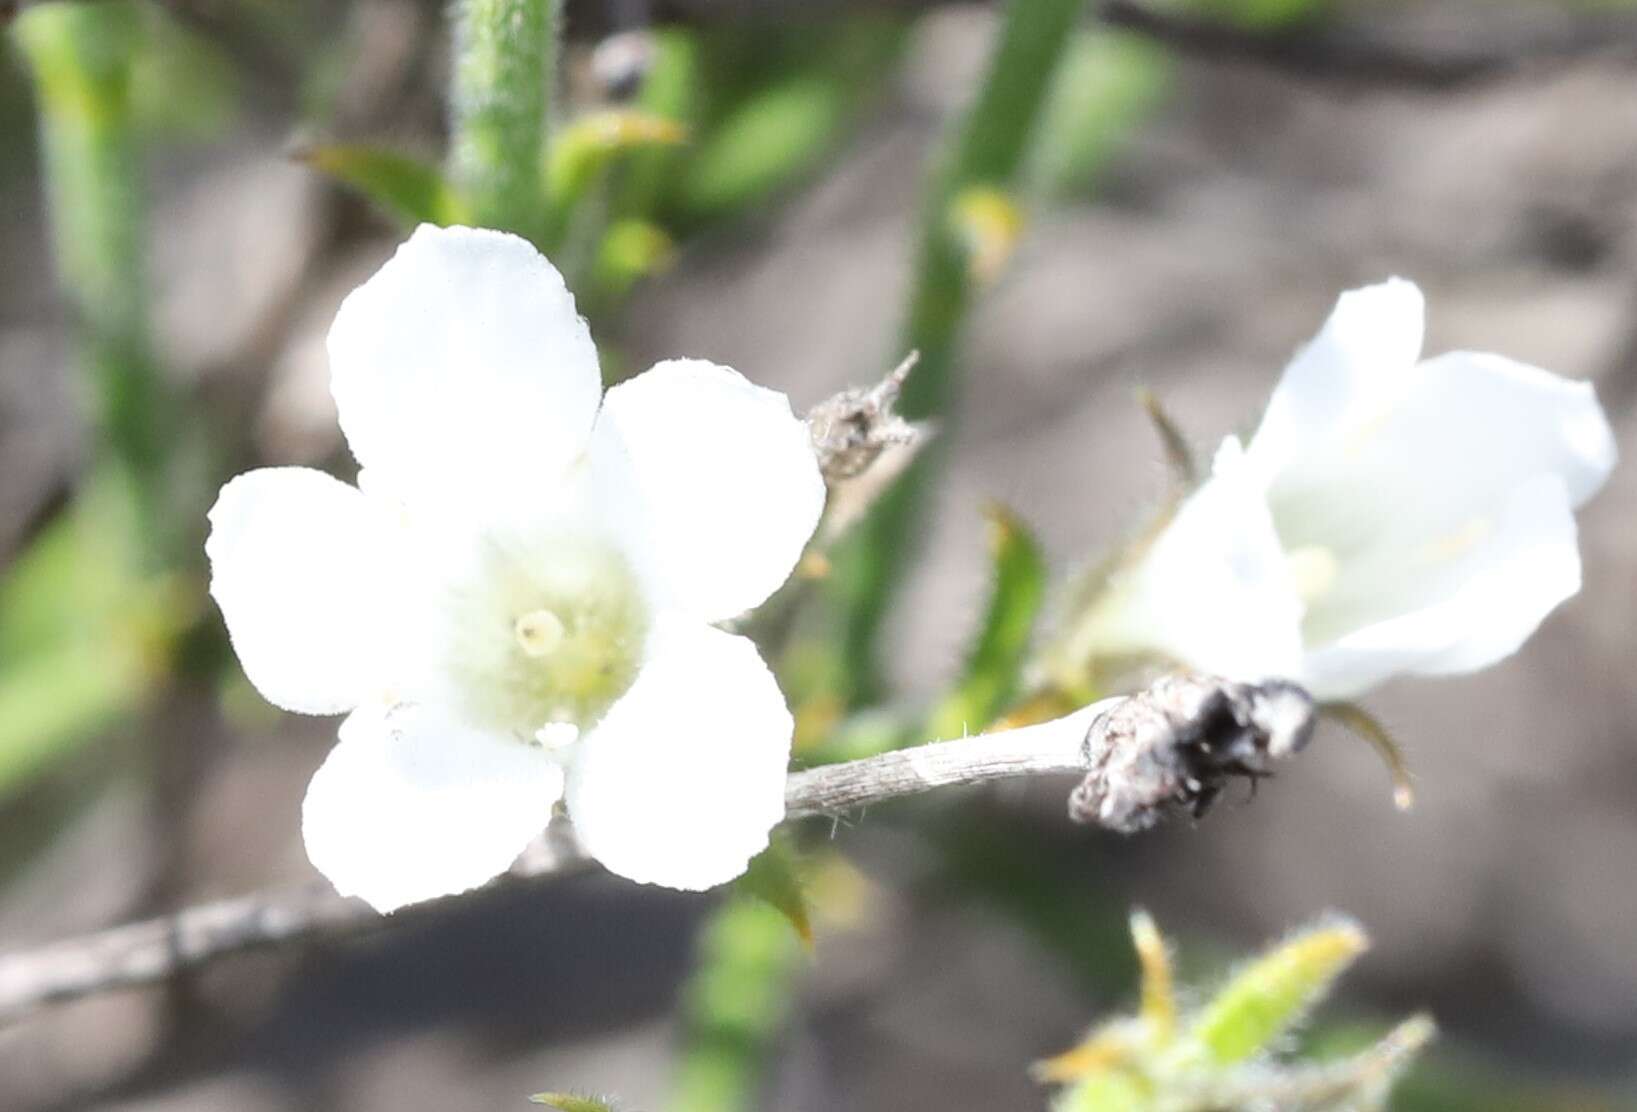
<point x="84" y="57"/>
<point x="1223" y="1056"/>
<point x="412" y="191"/>
<point x="990" y="679"/>
<point x="734" y="1005"/>
<point x="771" y="103"/>
<point x="1273" y="993"/>
<point x="1110" y="84"/>
<point x="763" y="144"/>
<point x="586" y="148"/>
<point x="988" y="150"/>
<point x="671" y="90"/>
<point x="182" y="84"/>
<point x="84" y="635"/>
<point x="775" y="876"/>
<point x="569" y="1102"/>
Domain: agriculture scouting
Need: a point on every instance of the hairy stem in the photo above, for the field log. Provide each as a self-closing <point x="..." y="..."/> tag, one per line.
<point x="505" y="54"/>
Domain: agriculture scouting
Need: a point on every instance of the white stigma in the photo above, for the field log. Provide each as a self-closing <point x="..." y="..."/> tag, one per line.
<point x="539" y="632"/>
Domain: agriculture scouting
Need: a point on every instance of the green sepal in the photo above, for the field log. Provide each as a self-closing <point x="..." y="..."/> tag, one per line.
<point x="1272" y="994"/>
<point x="775" y="876"/>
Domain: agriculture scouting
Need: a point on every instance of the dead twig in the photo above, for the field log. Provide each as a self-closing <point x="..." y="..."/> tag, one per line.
<point x="1201" y="728"/>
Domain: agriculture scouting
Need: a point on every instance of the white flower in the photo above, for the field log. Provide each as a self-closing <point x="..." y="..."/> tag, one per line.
<point x="515" y="602"/>
<point x="1390" y="515"/>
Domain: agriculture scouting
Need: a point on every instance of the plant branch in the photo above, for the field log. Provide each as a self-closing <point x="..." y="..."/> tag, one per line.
<point x="1171" y="745"/>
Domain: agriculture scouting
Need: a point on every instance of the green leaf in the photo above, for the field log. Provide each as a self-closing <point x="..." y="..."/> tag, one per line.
<point x="764" y="145"/>
<point x="569" y="1102"/>
<point x="407" y="188"/>
<point x="775" y="876"/>
<point x="990" y="678"/>
<point x="1273" y="993"/>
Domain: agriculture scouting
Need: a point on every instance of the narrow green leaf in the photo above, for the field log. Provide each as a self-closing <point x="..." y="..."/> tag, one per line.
<point x="993" y="667"/>
<point x="775" y="876"/>
<point x="407" y="188"/>
<point x="1273" y="993"/>
<point x="569" y="1102"/>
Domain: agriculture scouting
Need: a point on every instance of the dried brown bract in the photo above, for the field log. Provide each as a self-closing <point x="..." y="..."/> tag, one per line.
<point x="1176" y="745"/>
<point x="852" y="429"/>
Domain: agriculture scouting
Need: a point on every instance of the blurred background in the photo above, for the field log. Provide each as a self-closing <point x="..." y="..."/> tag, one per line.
<point x="1202" y="179"/>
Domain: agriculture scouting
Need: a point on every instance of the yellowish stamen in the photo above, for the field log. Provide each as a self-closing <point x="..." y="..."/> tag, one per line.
<point x="1313" y="570"/>
<point x="539" y="632"/>
<point x="1457" y="543"/>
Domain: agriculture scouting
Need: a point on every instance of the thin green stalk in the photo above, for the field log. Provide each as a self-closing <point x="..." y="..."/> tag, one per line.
<point x="83" y="58"/>
<point x="988" y="151"/>
<point x="505" y="58"/>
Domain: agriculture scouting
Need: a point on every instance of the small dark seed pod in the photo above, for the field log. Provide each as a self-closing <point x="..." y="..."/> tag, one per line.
<point x="1175" y="745"/>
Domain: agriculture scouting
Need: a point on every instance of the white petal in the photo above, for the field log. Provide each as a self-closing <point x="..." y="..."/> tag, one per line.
<point x="1432" y="479"/>
<point x="1478" y="605"/>
<point x="723" y="474"/>
<point x="1214" y="591"/>
<point x="1485" y="421"/>
<point x="683" y="779"/>
<point x="410" y="805"/>
<point x="1353" y="367"/>
<point x="301" y="570"/>
<point x="463" y="364"/>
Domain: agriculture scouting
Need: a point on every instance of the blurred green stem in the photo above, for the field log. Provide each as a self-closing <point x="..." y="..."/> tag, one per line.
<point x="734" y="1006"/>
<point x="83" y="58"/>
<point x="988" y="151"/>
<point x="505" y="54"/>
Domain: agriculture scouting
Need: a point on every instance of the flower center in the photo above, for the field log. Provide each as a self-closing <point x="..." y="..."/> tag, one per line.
<point x="546" y="636"/>
<point x="539" y="632"/>
<point x="1313" y="569"/>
